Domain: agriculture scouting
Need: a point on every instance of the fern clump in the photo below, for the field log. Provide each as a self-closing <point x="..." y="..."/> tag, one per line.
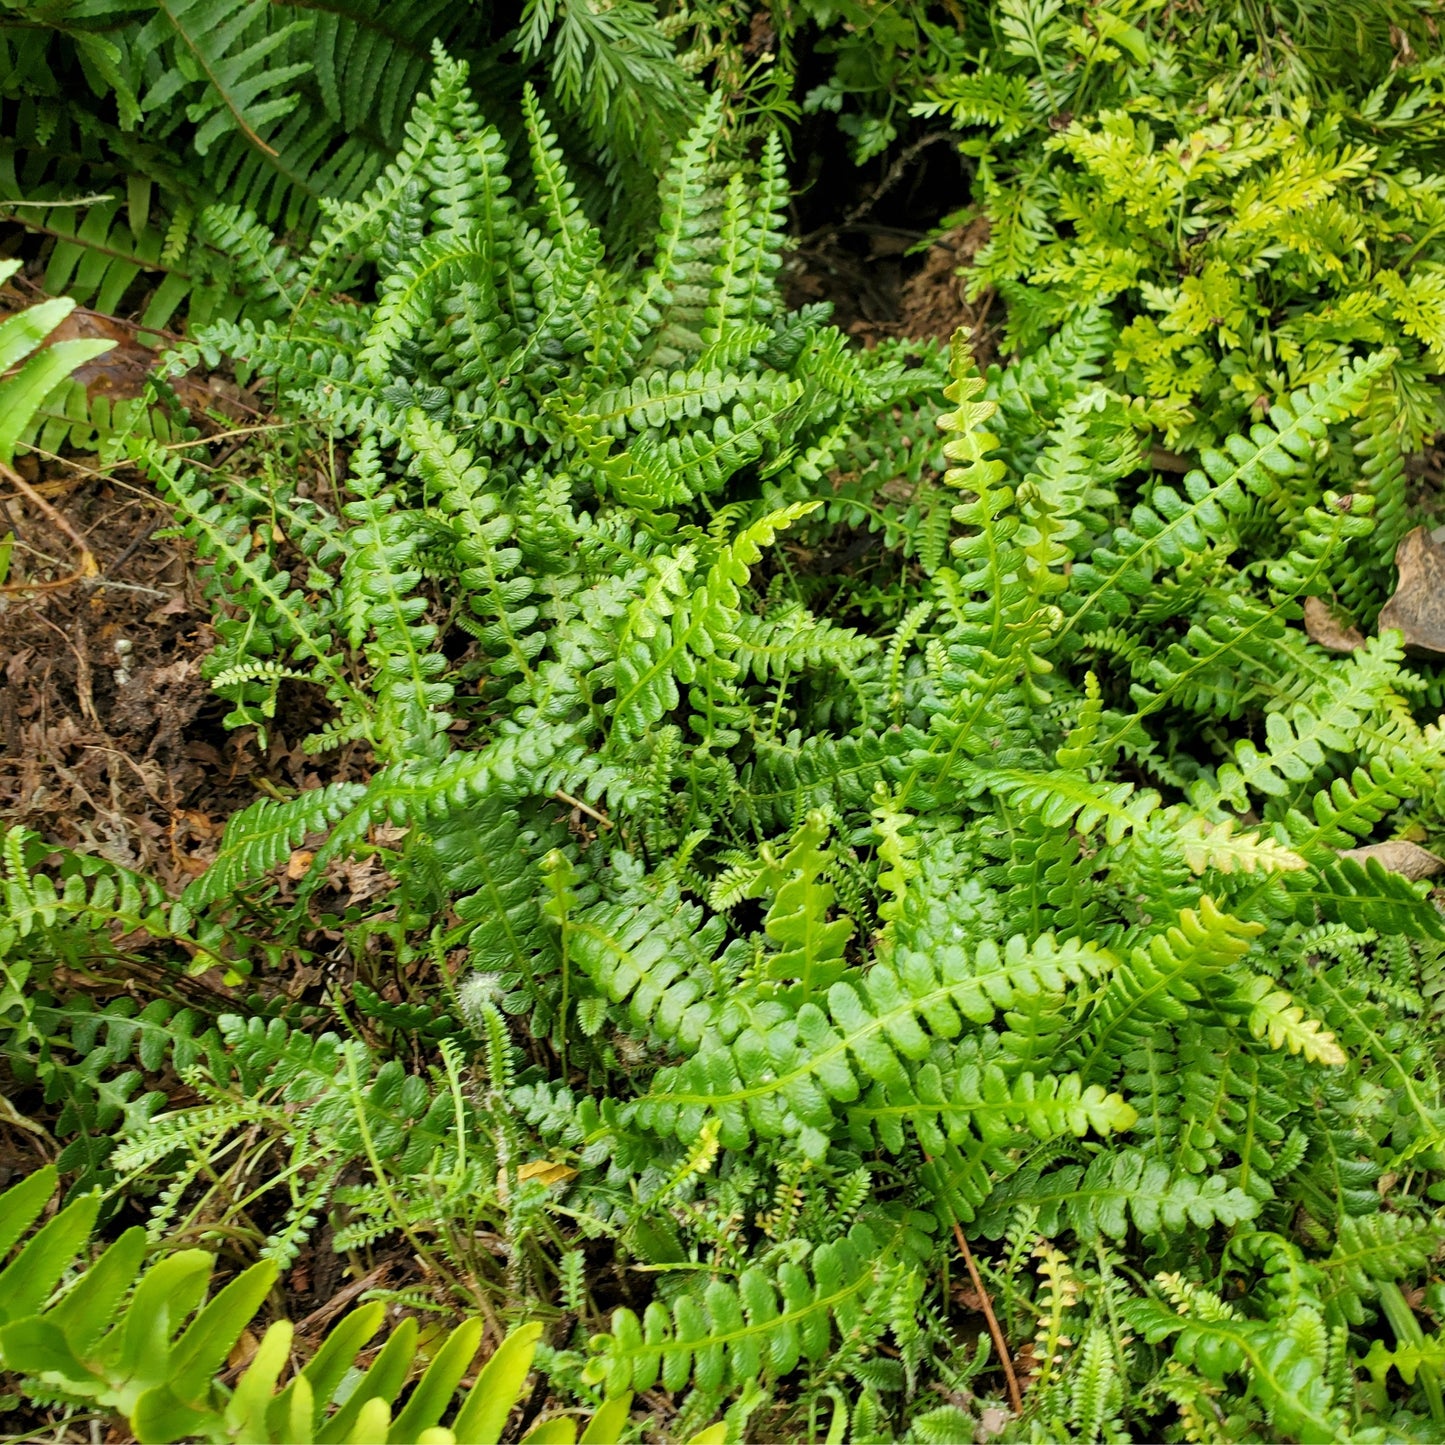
<point x="846" y="817"/>
<point x="1252" y="190"/>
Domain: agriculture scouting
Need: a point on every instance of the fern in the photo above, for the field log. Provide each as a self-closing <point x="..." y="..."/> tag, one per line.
<point x="146" y="1344"/>
<point x="28" y="374"/>
<point x="806" y="847"/>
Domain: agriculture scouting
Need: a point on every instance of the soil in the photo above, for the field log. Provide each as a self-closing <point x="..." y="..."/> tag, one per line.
<point x="872" y="242"/>
<point x="110" y="738"/>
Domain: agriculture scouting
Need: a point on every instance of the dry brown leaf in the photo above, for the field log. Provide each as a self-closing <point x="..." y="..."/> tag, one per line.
<point x="176" y="607"/>
<point x="966" y="1297"/>
<point x="1327" y="630"/>
<point x="243" y="1351"/>
<point x="118" y="373"/>
<point x="299" y="864"/>
<point x="362" y="878"/>
<point x="1409" y="860"/>
<point x="547" y="1170"/>
<point x="993" y="1420"/>
<point x="1418" y="606"/>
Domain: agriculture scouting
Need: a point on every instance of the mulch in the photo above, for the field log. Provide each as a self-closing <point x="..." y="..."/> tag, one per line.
<point x="111" y="740"/>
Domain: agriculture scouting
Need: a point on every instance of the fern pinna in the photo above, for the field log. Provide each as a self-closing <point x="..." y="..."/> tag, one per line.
<point x="795" y="917"/>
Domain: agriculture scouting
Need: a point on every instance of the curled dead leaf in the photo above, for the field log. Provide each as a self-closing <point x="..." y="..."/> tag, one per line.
<point x="299" y="863"/>
<point x="1409" y="860"/>
<point x="1327" y="630"/>
<point x="1418" y="607"/>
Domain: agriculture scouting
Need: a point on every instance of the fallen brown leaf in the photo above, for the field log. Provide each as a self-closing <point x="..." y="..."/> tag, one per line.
<point x="1327" y="630"/>
<point x="1409" y="860"/>
<point x="968" y="1298"/>
<point x="547" y="1171"/>
<point x="1418" y="607"/>
<point x="993" y="1420"/>
<point x="118" y="373"/>
<point x="299" y="864"/>
<point x="243" y="1351"/>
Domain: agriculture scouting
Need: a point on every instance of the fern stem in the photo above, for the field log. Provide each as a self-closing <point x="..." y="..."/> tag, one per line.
<point x="1015" y="1397"/>
<point x="1408" y="1332"/>
<point x="995" y="1331"/>
<point x="582" y="807"/>
<point x="382" y="1183"/>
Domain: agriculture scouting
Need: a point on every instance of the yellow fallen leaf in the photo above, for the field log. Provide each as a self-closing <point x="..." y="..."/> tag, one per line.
<point x="549" y="1171"/>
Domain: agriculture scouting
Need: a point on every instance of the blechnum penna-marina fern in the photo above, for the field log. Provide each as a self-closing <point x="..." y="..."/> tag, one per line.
<point x="122" y="123"/>
<point x="811" y="920"/>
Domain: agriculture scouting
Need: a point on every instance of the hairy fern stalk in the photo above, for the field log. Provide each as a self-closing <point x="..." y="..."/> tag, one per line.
<point x="839" y="804"/>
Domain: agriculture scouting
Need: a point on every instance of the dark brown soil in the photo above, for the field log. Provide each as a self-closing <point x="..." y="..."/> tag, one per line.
<point x="110" y="738"/>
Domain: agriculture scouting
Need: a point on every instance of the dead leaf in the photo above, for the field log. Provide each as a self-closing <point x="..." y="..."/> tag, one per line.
<point x="549" y="1171"/>
<point x="1327" y="630"/>
<point x="299" y="864"/>
<point x="1027" y="1364"/>
<point x="1409" y="860"/>
<point x="362" y="878"/>
<point x="243" y="1351"/>
<point x="993" y="1420"/>
<point x="966" y="1297"/>
<point x="1418" y="607"/>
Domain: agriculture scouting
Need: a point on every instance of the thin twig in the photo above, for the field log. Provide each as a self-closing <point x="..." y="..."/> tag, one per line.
<point x="114" y="586"/>
<point x="577" y="803"/>
<point x="1015" y="1396"/>
<point x="342" y="1298"/>
<point x="135" y="544"/>
<point x="87" y="565"/>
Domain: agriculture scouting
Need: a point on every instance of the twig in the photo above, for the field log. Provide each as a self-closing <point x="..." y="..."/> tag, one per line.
<point x="134" y="544"/>
<point x="86" y="567"/>
<point x="1015" y="1396"/>
<point x="114" y="586"/>
<point x="342" y="1298"/>
<point x="577" y="803"/>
